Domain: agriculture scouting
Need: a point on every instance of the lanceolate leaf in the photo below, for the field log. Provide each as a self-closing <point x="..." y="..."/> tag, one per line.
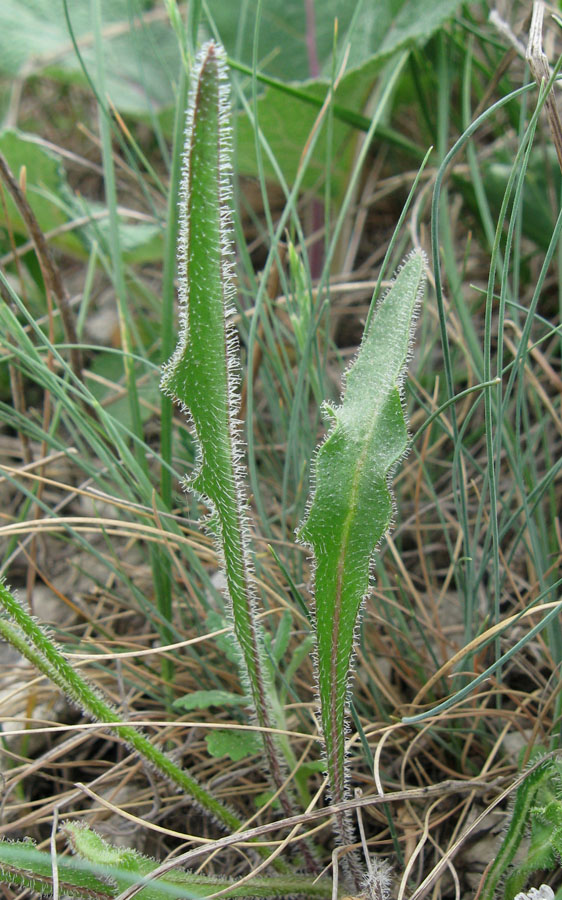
<point x="352" y="505"/>
<point x="203" y="373"/>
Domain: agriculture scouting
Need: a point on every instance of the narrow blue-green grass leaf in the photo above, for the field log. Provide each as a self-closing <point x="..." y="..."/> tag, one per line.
<point x="163" y="570"/>
<point x="352" y="506"/>
<point x="157" y="558"/>
<point x="203" y="373"/>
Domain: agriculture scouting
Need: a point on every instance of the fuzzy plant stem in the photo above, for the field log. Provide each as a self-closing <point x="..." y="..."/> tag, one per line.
<point x="203" y="374"/>
<point x="90" y="846"/>
<point x="39" y="648"/>
<point x="351" y="511"/>
<point x="99" y="871"/>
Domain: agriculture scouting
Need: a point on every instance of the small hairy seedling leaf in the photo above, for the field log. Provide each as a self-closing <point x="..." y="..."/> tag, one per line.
<point x="352" y="505"/>
<point x="100" y="871"/>
<point x="204" y="699"/>
<point x="24" y="866"/>
<point x="538" y="856"/>
<point x="234" y="744"/>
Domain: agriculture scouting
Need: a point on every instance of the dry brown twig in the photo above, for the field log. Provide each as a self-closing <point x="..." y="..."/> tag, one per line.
<point x="49" y="269"/>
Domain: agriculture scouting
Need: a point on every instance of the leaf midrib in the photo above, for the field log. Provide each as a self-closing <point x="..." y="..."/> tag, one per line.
<point x="335" y="731"/>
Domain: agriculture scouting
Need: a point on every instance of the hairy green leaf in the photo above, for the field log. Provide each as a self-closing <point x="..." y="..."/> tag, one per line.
<point x="36" y="645"/>
<point x="234" y="744"/>
<point x="204" y="699"/>
<point x="352" y="506"/>
<point x="529" y="794"/>
<point x="22" y="865"/>
<point x="131" y="866"/>
<point x="203" y="373"/>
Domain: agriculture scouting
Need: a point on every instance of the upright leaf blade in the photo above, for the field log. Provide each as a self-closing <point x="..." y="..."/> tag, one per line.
<point x="352" y="506"/>
<point x="203" y="373"/>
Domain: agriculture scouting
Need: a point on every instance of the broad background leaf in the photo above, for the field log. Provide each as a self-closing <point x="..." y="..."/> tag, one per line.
<point x="47" y="191"/>
<point x="382" y="29"/>
<point x="55" y="205"/>
<point x="142" y="60"/>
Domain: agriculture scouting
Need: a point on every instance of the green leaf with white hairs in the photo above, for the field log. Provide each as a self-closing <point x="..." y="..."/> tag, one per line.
<point x="352" y="506"/>
<point x="203" y="373"/>
<point x="536" y="820"/>
<point x="37" y="646"/>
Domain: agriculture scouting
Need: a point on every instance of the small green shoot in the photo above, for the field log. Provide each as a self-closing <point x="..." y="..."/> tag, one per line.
<point x="537" y="811"/>
<point x="101" y="871"/>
